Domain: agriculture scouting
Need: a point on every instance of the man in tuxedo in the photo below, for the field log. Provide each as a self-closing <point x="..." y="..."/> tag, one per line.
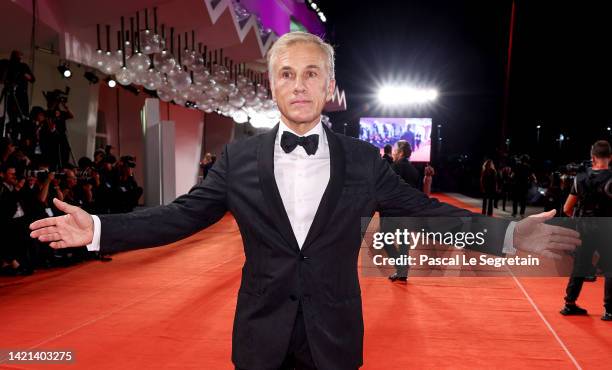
<point x="298" y="193"/>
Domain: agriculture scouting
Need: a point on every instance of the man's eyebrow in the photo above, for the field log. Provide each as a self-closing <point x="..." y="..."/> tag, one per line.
<point x="311" y="66"/>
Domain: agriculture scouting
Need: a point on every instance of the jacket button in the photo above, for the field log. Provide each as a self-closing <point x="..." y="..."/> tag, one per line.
<point x="293" y="297"/>
<point x="303" y="257"/>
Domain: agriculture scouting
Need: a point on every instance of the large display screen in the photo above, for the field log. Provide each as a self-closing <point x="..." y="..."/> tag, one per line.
<point x="380" y="131"/>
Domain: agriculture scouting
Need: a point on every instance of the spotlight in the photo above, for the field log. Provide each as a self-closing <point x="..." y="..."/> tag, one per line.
<point x="64" y="70"/>
<point x="314" y="6"/>
<point x="322" y="17"/>
<point x="110" y="82"/>
<point x="400" y="95"/>
<point x="91" y="77"/>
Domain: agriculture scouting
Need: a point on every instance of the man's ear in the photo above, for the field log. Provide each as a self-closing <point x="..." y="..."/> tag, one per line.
<point x="331" y="87"/>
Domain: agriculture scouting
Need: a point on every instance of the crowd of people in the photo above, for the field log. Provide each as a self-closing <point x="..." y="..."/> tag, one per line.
<point x="36" y="165"/>
<point x="515" y="182"/>
<point x="511" y="182"/>
<point x="28" y="186"/>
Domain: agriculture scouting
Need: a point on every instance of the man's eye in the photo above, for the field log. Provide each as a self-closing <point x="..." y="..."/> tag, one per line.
<point x="286" y="74"/>
<point x="312" y="74"/>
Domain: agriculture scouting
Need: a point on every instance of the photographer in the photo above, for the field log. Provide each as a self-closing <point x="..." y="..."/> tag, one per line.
<point x="88" y="184"/>
<point x="14" y="78"/>
<point x="6" y="149"/>
<point x="590" y="201"/>
<point x="127" y="190"/>
<point x="15" y="251"/>
<point x="105" y="192"/>
<point x="58" y="113"/>
<point x="51" y="143"/>
<point x="30" y="134"/>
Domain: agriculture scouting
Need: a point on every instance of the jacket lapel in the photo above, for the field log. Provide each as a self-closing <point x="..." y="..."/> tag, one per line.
<point x="269" y="188"/>
<point x="332" y="192"/>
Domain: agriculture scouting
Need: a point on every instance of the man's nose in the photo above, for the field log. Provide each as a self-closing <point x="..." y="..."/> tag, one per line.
<point x="299" y="86"/>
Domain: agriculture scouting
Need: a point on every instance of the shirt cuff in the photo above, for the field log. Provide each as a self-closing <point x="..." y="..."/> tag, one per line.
<point x="508" y="247"/>
<point x="94" y="246"/>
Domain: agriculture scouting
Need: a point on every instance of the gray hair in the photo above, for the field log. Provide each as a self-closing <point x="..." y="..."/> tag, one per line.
<point x="292" y="38"/>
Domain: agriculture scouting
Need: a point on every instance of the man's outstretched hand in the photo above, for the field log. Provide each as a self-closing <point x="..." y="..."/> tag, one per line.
<point x="74" y="229"/>
<point x="531" y="234"/>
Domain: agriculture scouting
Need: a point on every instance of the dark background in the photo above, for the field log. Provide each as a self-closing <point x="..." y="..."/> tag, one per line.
<point x="560" y="72"/>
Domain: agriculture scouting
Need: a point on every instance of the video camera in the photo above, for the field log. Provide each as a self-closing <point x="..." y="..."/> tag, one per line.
<point x="57" y="96"/>
<point x="41" y="175"/>
<point x="129" y="161"/>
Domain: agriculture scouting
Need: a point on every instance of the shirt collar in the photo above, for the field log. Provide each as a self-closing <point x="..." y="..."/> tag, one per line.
<point x="317" y="129"/>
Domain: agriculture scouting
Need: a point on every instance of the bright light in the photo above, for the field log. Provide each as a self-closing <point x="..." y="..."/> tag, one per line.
<point x="322" y="17"/>
<point x="240" y="116"/>
<point x="538" y="127"/>
<point x="111" y="83"/>
<point x="314" y="6"/>
<point x="609" y="128"/>
<point x="64" y="70"/>
<point x="400" y="95"/>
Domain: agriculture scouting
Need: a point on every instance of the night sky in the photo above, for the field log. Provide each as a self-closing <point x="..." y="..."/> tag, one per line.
<point x="560" y="76"/>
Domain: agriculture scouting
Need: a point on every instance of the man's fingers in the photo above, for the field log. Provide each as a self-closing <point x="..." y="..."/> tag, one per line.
<point x="559" y="246"/>
<point x="559" y="230"/>
<point x="49" y="221"/>
<point x="557" y="238"/>
<point x="541" y="217"/>
<point x="58" y="244"/>
<point x="43" y="231"/>
<point x="64" y="207"/>
<point x="50" y="237"/>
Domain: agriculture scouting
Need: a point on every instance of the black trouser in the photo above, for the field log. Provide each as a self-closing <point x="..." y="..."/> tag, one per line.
<point x="487" y="203"/>
<point x="519" y="198"/>
<point x="592" y="241"/>
<point x="389" y="225"/>
<point x="298" y="355"/>
<point x="504" y="195"/>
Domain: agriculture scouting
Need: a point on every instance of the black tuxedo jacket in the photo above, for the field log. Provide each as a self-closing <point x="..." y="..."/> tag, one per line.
<point x="277" y="276"/>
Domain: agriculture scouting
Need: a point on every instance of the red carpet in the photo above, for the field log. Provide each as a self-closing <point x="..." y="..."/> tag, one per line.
<point x="173" y="308"/>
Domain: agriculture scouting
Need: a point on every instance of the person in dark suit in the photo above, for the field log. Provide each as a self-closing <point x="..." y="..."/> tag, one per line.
<point x="410" y="175"/>
<point x="298" y="193"/>
<point x="488" y="186"/>
<point x="402" y="165"/>
<point x="387" y="153"/>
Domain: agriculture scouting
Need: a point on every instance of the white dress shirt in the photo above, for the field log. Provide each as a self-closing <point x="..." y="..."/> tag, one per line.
<point x="301" y="180"/>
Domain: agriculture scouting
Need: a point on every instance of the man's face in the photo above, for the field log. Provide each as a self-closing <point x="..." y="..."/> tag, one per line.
<point x="10" y="176"/>
<point x="71" y="179"/>
<point x="301" y="83"/>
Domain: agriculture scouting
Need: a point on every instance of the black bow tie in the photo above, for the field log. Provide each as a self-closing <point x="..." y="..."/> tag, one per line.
<point x="289" y="141"/>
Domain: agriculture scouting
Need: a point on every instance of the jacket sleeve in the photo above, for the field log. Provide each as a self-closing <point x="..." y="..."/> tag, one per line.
<point x="395" y="198"/>
<point x="202" y="206"/>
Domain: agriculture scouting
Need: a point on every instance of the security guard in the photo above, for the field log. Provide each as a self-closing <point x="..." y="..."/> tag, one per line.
<point x="590" y="201"/>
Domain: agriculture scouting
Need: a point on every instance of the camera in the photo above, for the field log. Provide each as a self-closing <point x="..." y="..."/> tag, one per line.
<point x="41" y="175"/>
<point x="86" y="176"/>
<point x="57" y="96"/>
<point x="60" y="176"/>
<point x="129" y="161"/>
